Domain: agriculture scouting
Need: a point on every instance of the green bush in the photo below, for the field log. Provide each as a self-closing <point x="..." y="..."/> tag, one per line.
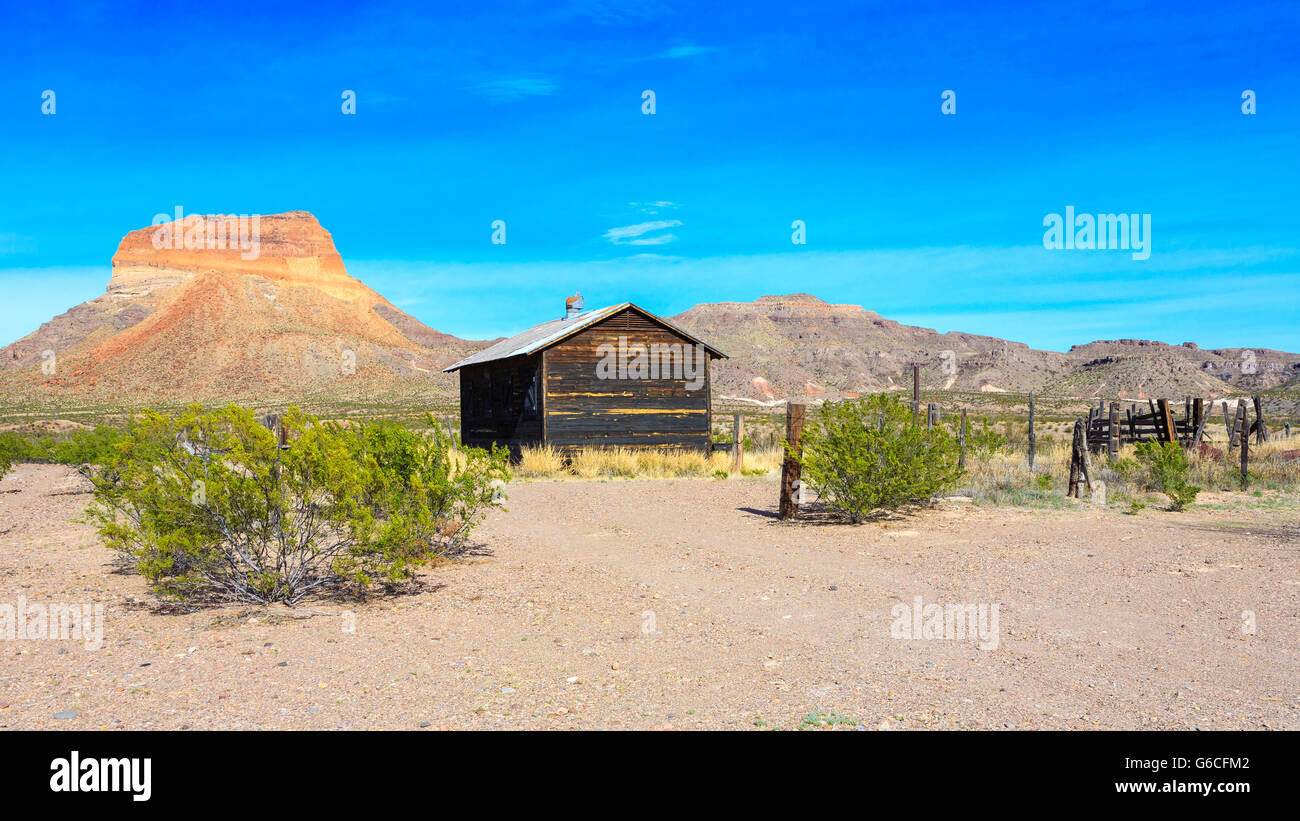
<point x="208" y="502"/>
<point x="16" y="448"/>
<point x="867" y="455"/>
<point x="1168" y="469"/>
<point x="82" y="447"/>
<point x="985" y="439"/>
<point x="5" y="464"/>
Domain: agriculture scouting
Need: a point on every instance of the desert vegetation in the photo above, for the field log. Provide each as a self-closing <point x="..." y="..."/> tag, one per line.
<point x="626" y="463"/>
<point x="869" y="454"/>
<point x="211" y="502"/>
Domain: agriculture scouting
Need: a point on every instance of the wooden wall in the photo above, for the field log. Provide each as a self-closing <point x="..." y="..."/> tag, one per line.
<point x="582" y="410"/>
<point x="500" y="402"/>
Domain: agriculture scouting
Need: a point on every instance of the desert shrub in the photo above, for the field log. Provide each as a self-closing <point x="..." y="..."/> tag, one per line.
<point x="5" y="464"/>
<point x="982" y="437"/>
<point x="867" y="454"/>
<point x="15" y="448"/>
<point x="209" y="502"/>
<point x="82" y="447"/>
<point x="1168" y="468"/>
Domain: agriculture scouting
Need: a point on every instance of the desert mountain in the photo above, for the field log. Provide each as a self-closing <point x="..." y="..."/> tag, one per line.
<point x="191" y="314"/>
<point x="797" y="344"/>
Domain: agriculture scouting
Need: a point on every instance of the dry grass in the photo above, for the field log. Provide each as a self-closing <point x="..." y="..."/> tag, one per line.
<point x="627" y="463"/>
<point x="1003" y="477"/>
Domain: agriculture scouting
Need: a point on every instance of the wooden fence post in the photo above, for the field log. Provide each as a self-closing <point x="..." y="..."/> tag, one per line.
<point x="1032" y="437"/>
<point x="1201" y="416"/>
<point x="1079" y="464"/>
<point x="790" y="468"/>
<point x="932" y="415"/>
<point x="1245" y="455"/>
<point x="961" y="459"/>
<point x="1238" y="423"/>
<point x="738" y="437"/>
<point x="1112" y="440"/>
<point x="1261" y="432"/>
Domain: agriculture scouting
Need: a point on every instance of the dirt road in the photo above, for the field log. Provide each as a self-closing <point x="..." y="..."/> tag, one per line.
<point x="684" y="604"/>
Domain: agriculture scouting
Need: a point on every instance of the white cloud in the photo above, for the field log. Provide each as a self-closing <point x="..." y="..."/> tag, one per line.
<point x="653" y="208"/>
<point x="632" y="234"/>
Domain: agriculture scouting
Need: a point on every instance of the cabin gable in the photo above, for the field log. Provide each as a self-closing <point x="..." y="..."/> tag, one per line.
<point x="624" y="381"/>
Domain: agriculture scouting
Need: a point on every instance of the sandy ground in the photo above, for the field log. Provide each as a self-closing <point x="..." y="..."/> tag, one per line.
<point x="684" y="604"/>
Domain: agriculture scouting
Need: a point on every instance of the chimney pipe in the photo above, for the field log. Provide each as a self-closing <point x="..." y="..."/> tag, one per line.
<point x="573" y="306"/>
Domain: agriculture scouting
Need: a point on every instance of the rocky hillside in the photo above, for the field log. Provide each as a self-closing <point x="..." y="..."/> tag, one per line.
<point x="799" y="345"/>
<point x="219" y="323"/>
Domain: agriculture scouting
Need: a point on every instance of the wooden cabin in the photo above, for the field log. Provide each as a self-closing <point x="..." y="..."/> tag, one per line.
<point x="617" y="377"/>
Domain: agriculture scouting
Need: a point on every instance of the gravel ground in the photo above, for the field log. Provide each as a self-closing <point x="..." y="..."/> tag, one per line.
<point x="684" y="604"/>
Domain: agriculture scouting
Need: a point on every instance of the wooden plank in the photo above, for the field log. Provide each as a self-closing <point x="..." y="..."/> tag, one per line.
<point x="916" y="392"/>
<point x="1168" y="432"/>
<point x="1245" y="452"/>
<point x="1112" y="431"/>
<point x="1200" y="415"/>
<point x="790" y="468"/>
<point x="1261" y="432"/>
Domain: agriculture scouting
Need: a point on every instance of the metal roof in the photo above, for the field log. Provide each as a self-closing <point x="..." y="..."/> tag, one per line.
<point x="547" y="334"/>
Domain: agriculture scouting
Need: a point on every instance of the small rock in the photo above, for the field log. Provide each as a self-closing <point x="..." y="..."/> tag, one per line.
<point x="66" y="714"/>
<point x="426" y="724"/>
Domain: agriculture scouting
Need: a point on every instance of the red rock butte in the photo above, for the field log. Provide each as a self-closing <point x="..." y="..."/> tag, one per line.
<point x="289" y="249"/>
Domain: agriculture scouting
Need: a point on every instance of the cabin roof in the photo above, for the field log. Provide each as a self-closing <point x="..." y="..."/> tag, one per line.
<point x="540" y="337"/>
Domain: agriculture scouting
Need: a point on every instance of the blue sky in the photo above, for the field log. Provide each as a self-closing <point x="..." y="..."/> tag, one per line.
<point x="766" y="113"/>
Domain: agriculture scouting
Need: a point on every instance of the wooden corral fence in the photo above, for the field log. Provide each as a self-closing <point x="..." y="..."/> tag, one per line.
<point x="1111" y="426"/>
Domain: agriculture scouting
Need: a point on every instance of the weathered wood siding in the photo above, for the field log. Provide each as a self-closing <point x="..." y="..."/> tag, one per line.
<point x="500" y="402"/>
<point x="583" y="410"/>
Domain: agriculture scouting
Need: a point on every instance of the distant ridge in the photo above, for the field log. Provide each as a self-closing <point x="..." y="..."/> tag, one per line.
<point x="799" y="345"/>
